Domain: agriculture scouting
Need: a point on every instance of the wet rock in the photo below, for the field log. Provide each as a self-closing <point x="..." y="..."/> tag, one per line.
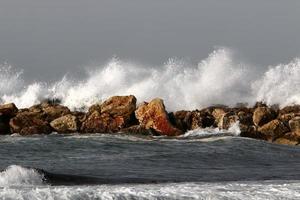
<point x="182" y="120"/>
<point x="273" y="130"/>
<point x="7" y="111"/>
<point x="290" y="109"/>
<point x="112" y="115"/>
<point x="119" y="106"/>
<point x="245" y="117"/>
<point x="294" y="125"/>
<point x="201" y="119"/>
<point x="227" y="120"/>
<point x="55" y="111"/>
<point x="288" y="139"/>
<point x="102" y="123"/>
<point x="250" y="132"/>
<point x="138" y="130"/>
<point x="49" y="112"/>
<point x="65" y="124"/>
<point x="27" y="123"/>
<point x="217" y="114"/>
<point x="154" y="116"/>
<point x="263" y="115"/>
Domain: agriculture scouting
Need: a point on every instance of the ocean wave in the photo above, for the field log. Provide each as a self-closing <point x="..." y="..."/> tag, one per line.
<point x="16" y="175"/>
<point x="230" y="190"/>
<point x="219" y="79"/>
<point x="234" y="130"/>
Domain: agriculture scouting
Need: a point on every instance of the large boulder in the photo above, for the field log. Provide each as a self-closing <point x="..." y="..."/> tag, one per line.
<point x="182" y="120"/>
<point x="227" y="120"/>
<point x="7" y="111"/>
<point x="49" y="112"/>
<point x="112" y="115"/>
<point x="65" y="124"/>
<point x="290" y="109"/>
<point x="288" y="139"/>
<point x="218" y="113"/>
<point x="154" y="116"/>
<point x="263" y="115"/>
<point x="294" y="125"/>
<point x="201" y="119"/>
<point x="102" y="123"/>
<point x="273" y="130"/>
<point x="117" y="106"/>
<point x="27" y="123"/>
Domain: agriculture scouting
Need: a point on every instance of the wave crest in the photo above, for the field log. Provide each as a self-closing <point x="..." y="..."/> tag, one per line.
<point x="16" y="175"/>
<point x="218" y="79"/>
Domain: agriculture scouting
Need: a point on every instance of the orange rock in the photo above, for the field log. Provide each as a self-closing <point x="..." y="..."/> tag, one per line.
<point x="153" y="115"/>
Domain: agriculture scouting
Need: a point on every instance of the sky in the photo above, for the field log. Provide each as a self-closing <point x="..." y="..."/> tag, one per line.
<point x="49" y="38"/>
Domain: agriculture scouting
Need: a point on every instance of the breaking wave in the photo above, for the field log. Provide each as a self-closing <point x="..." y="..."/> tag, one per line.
<point x="234" y="130"/>
<point x="231" y="190"/>
<point x="219" y="79"/>
<point x="16" y="175"/>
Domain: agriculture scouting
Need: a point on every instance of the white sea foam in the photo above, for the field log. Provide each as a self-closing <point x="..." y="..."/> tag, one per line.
<point x="219" y="79"/>
<point x="231" y="190"/>
<point x="234" y="130"/>
<point x="16" y="175"/>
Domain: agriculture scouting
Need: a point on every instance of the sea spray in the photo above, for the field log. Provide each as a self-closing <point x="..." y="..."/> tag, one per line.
<point x="16" y="175"/>
<point x="219" y="79"/>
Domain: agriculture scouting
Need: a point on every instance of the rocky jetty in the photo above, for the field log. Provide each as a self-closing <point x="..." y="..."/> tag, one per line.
<point x="121" y="114"/>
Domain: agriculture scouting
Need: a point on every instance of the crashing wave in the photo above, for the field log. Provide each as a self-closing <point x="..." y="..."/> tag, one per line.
<point x="218" y="79"/>
<point x="16" y="175"/>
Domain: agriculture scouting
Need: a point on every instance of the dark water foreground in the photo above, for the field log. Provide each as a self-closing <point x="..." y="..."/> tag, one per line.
<point x="112" y="164"/>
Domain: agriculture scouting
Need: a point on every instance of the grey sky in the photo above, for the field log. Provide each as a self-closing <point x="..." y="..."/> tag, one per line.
<point x="47" y="38"/>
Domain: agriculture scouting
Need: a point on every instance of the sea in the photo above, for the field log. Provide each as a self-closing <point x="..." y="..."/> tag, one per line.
<point x="206" y="164"/>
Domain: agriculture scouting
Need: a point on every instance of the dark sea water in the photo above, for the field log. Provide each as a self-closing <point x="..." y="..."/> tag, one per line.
<point x="104" y="166"/>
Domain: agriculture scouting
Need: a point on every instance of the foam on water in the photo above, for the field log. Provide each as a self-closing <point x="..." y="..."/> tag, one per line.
<point x="16" y="175"/>
<point x="230" y="190"/>
<point x="234" y="130"/>
<point x="219" y="79"/>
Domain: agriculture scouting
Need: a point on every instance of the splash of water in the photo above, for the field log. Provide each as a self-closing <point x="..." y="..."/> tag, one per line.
<point x="218" y="79"/>
<point x="16" y="175"/>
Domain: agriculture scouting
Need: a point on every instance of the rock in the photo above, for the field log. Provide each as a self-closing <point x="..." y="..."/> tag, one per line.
<point x="182" y="120"/>
<point x="35" y="130"/>
<point x="27" y="123"/>
<point x="102" y="123"/>
<point x="290" y="109"/>
<point x="285" y="118"/>
<point x="8" y="110"/>
<point x="120" y="106"/>
<point x="49" y="112"/>
<point x="154" y="116"/>
<point x="65" y="124"/>
<point x="294" y="125"/>
<point x="138" y="130"/>
<point x="95" y="107"/>
<point x="227" y="120"/>
<point x="217" y="114"/>
<point x="4" y="125"/>
<point x="263" y="115"/>
<point x="250" y="132"/>
<point x="245" y="117"/>
<point x="55" y="111"/>
<point x="288" y="139"/>
<point x="201" y="119"/>
<point x="112" y="115"/>
<point x="273" y="130"/>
